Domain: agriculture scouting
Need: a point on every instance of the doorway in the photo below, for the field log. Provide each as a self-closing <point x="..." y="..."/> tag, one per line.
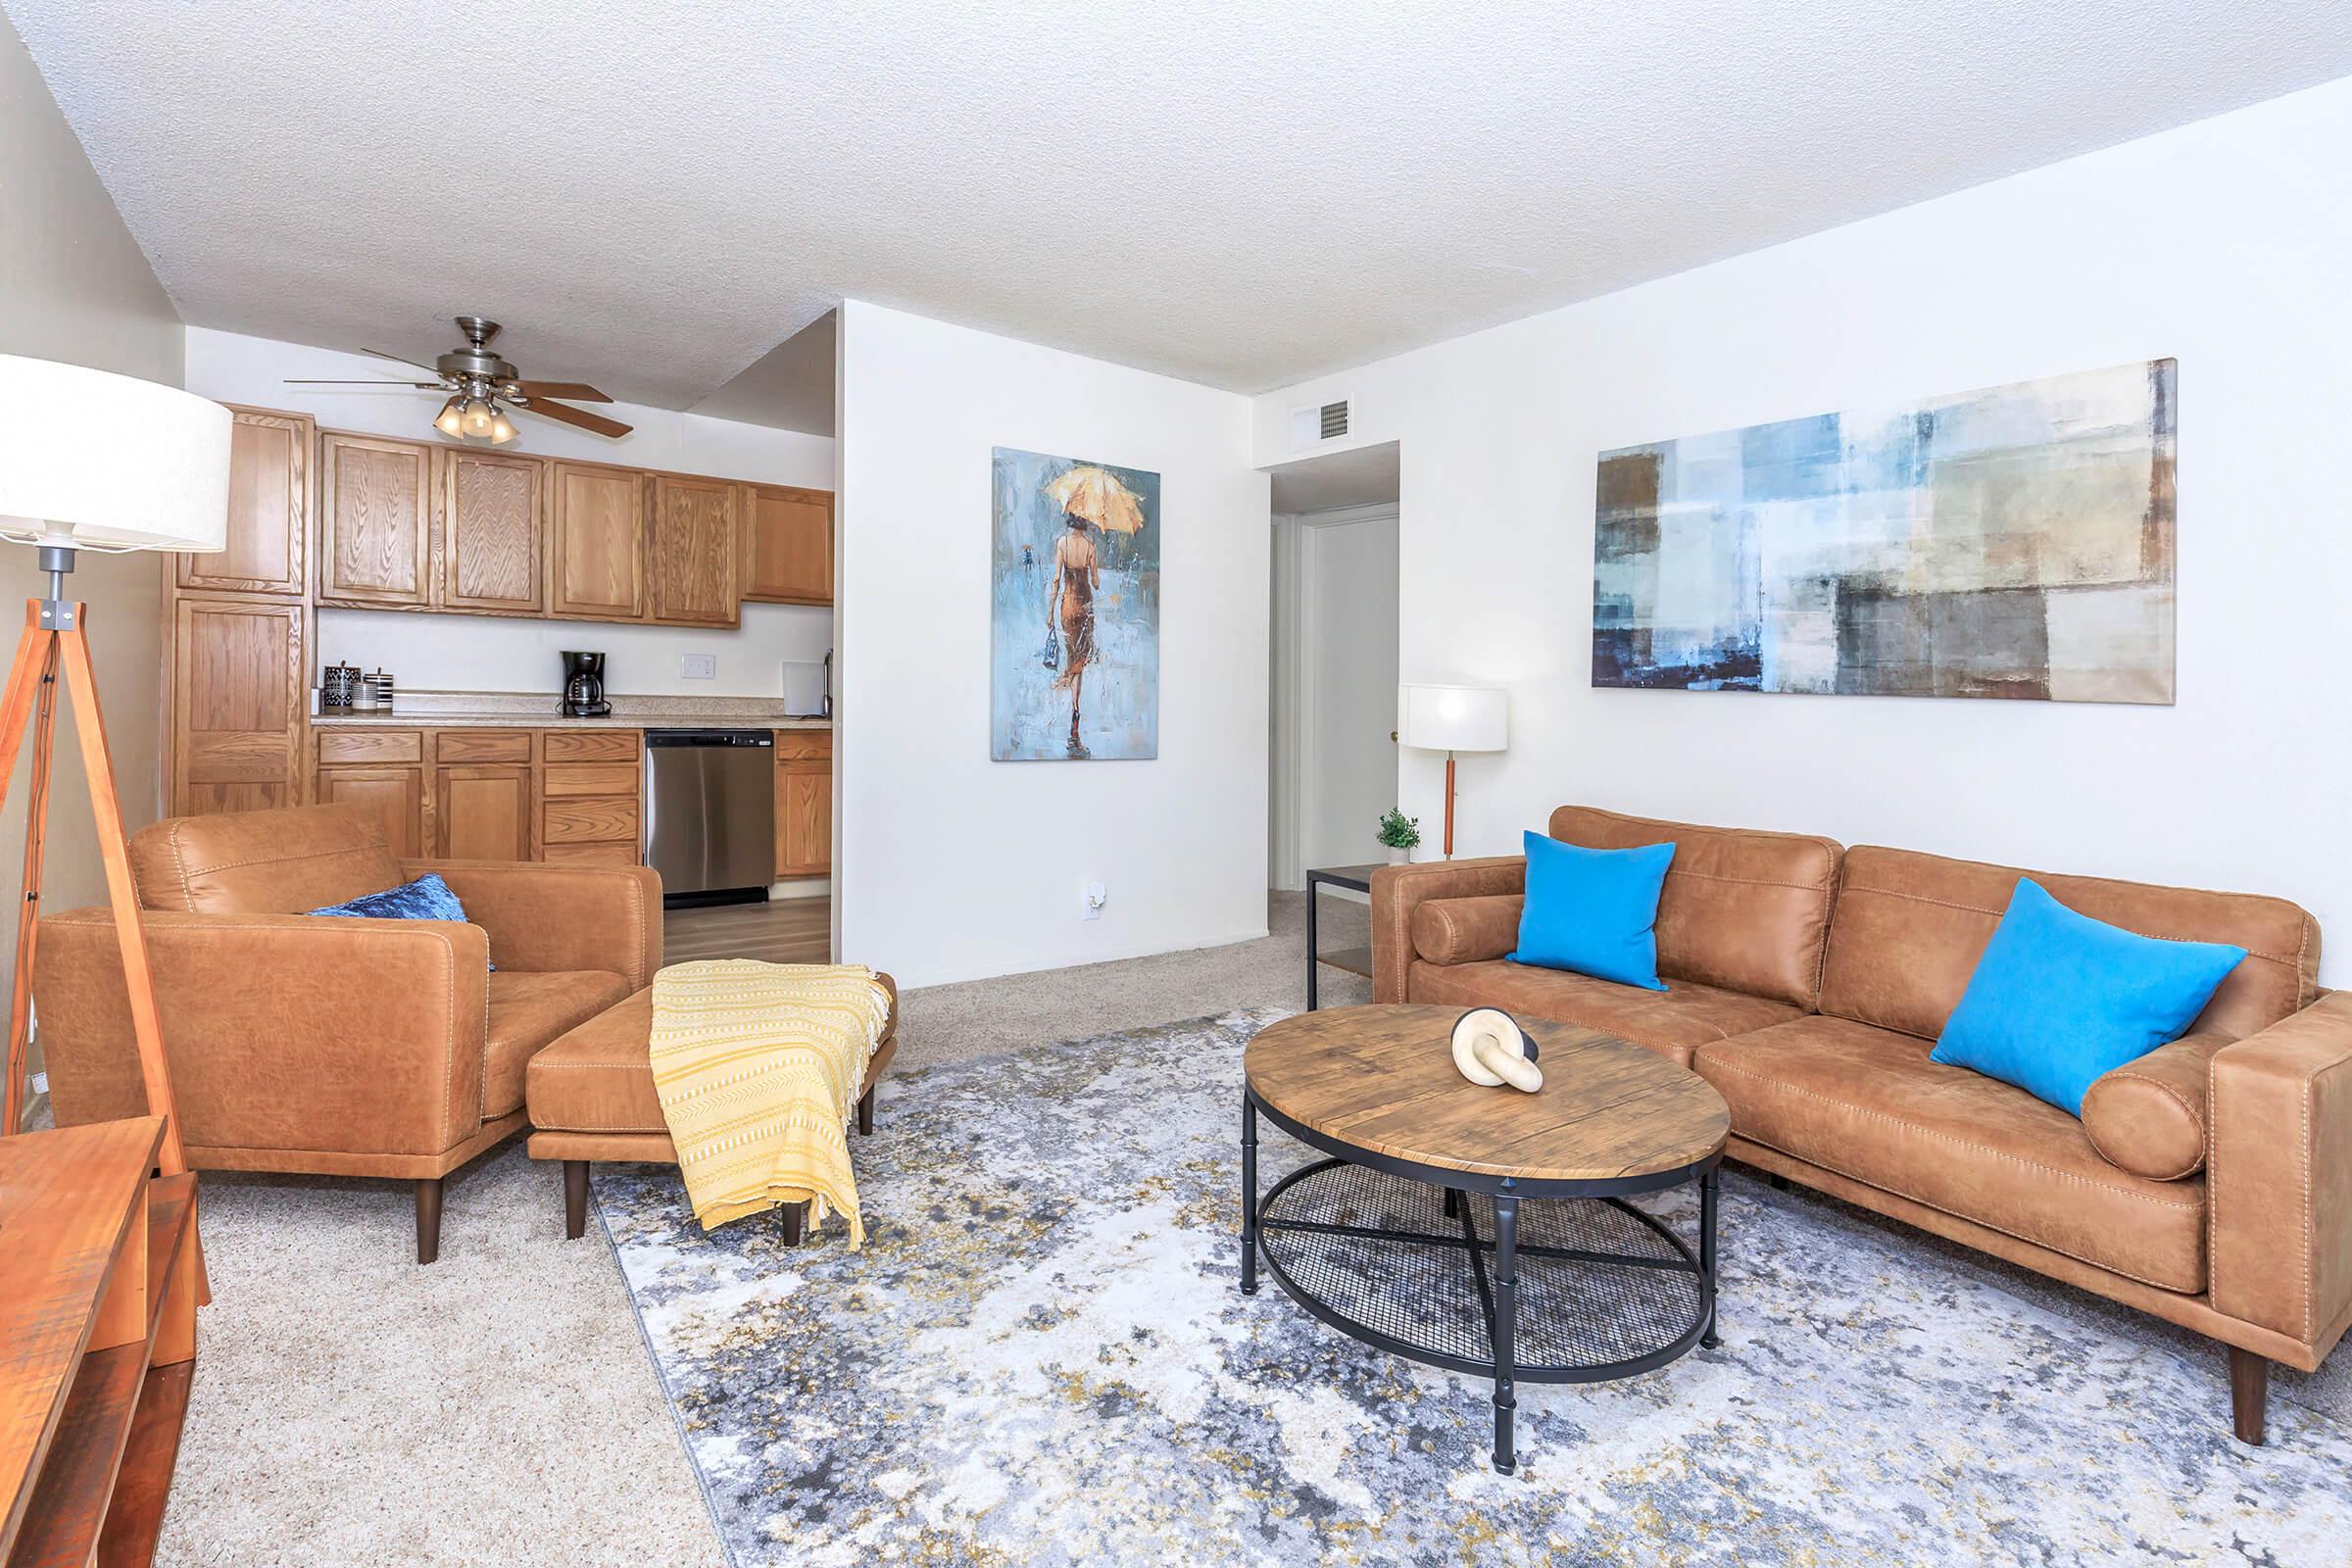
<point x="1334" y="666"/>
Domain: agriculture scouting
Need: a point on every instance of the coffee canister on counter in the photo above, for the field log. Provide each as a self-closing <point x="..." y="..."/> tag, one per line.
<point x="339" y="686"/>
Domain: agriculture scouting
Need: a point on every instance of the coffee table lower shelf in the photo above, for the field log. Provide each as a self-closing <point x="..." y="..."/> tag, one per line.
<point x="1479" y="1276"/>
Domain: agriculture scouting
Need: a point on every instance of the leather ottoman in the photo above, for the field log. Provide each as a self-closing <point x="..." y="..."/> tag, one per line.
<point x="591" y="1096"/>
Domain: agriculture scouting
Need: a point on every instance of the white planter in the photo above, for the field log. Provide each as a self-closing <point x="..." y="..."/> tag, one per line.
<point x="1400" y="857"/>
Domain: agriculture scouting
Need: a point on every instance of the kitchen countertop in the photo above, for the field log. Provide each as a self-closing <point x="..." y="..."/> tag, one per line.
<point x="441" y="721"/>
<point x="445" y="709"/>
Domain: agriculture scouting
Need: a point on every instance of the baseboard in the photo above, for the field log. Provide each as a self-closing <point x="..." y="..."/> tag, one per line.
<point x="921" y="979"/>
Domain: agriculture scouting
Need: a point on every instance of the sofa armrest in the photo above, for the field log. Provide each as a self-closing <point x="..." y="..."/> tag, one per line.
<point x="543" y="918"/>
<point x="1398" y="890"/>
<point x="280" y="1031"/>
<point x="2278" y="1175"/>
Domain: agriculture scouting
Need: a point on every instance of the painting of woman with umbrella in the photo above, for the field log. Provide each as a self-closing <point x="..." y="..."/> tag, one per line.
<point x="1091" y="690"/>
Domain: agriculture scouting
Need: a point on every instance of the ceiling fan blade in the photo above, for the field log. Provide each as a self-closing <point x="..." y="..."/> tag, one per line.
<point x="398" y="360"/>
<point x="422" y="386"/>
<point x="579" y="416"/>
<point x="578" y="391"/>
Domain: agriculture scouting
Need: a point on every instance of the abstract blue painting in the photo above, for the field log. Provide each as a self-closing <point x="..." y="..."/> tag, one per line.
<point x="2013" y="542"/>
<point x="1074" y="643"/>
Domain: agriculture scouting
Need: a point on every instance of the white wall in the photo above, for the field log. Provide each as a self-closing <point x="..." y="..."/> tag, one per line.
<point x="466" y="653"/>
<point x="75" y="287"/>
<point x="2227" y="244"/>
<point x="951" y="865"/>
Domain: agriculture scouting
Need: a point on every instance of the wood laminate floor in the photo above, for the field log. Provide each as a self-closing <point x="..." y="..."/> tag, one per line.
<point x="785" y="931"/>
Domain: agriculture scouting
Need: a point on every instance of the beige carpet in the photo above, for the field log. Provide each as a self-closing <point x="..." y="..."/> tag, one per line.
<point x="499" y="1406"/>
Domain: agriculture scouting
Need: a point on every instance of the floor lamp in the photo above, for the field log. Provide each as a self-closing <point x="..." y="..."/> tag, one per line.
<point x="1451" y="719"/>
<point x="91" y="461"/>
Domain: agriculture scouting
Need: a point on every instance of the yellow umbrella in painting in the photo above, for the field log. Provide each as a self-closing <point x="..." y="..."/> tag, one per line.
<point x="1093" y="494"/>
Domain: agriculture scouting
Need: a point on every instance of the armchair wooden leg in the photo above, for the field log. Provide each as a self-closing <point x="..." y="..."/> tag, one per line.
<point x="865" y="1113"/>
<point x="429" y="1219"/>
<point x="2249" y="1394"/>
<point x="791" y="1223"/>
<point x="576" y="1199"/>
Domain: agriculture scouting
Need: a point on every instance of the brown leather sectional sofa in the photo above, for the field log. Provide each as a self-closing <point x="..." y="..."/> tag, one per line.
<point x="2209" y="1183"/>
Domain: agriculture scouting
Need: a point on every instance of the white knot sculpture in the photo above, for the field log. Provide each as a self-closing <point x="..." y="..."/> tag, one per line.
<point x="1489" y="1048"/>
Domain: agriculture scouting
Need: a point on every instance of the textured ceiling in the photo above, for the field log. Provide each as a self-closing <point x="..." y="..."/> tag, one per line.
<point x="654" y="195"/>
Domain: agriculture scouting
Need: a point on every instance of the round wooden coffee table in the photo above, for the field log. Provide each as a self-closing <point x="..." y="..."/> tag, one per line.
<point x="1412" y="1238"/>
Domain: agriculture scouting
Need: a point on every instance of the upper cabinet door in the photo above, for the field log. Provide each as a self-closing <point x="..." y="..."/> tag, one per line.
<point x="692" y="558"/>
<point x="375" y="521"/>
<point x="268" y="509"/>
<point x="787" y="545"/>
<point x="595" y="568"/>
<point x="492" y="506"/>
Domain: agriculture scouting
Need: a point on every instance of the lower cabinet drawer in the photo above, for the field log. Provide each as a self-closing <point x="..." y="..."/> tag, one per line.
<point x="589" y="853"/>
<point x="589" y="820"/>
<point x="365" y="746"/>
<point x="589" y="778"/>
<point x="482" y="745"/>
<point x="590" y="744"/>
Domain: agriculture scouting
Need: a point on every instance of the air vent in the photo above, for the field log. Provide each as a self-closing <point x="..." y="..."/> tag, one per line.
<point x="1315" y="424"/>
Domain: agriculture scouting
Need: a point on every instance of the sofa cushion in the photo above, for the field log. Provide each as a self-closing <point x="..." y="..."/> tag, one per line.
<point x="1466" y="930"/>
<point x="1867" y="1104"/>
<point x="529" y="1011"/>
<point x="1910" y="928"/>
<point x="1740" y="911"/>
<point x="1592" y="911"/>
<point x="1671" y="1023"/>
<point x="2148" y="1115"/>
<point x="263" y="863"/>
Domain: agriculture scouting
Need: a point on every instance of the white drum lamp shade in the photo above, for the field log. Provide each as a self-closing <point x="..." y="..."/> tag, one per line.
<point x="1452" y="719"/>
<point x="91" y="460"/>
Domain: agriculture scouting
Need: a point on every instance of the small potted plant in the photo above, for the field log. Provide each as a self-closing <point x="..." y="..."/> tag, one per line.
<point x="1402" y="834"/>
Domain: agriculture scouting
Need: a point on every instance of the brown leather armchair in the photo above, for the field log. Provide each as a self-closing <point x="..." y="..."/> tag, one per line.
<point x="336" y="1046"/>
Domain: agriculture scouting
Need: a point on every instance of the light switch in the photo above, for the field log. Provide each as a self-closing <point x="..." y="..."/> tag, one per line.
<point x="699" y="666"/>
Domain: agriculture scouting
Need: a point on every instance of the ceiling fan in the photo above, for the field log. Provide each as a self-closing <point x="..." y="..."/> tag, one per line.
<point x="482" y="387"/>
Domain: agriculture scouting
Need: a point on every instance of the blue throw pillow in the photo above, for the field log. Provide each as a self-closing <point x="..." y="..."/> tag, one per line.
<point x="428" y="897"/>
<point x="1593" y="911"/>
<point x="2060" y="998"/>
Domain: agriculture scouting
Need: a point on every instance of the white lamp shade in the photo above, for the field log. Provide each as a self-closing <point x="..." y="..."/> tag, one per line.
<point x="92" y="459"/>
<point x="1453" y="718"/>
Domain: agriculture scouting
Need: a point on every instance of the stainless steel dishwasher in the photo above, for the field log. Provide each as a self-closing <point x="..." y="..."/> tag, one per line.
<point x="710" y="813"/>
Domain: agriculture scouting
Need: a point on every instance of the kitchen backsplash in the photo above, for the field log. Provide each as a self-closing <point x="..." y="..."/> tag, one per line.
<point x="486" y="653"/>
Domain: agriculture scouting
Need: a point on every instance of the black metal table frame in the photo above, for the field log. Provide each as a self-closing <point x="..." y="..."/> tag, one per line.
<point x="1317" y="877"/>
<point x="1500" y="1297"/>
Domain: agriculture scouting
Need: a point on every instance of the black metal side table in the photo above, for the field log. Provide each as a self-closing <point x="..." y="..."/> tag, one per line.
<point x="1355" y="961"/>
<point x="1478" y="1229"/>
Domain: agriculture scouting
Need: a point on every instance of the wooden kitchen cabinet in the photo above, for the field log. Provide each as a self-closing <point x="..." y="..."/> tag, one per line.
<point x="375" y="509"/>
<point x="691" y="560"/>
<point x="493" y="507"/>
<point x="269" y="510"/>
<point x="804" y="804"/>
<point x="787" y="544"/>
<point x="396" y="793"/>
<point x="589" y="796"/>
<point x="481" y="811"/>
<point x="238" y="705"/>
<point x="596" y="557"/>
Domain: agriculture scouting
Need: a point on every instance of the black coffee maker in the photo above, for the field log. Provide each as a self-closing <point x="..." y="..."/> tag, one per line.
<point x="584" y="686"/>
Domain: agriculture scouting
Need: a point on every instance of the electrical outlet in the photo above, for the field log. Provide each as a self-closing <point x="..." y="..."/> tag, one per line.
<point x="699" y="666"/>
<point x="1096" y="896"/>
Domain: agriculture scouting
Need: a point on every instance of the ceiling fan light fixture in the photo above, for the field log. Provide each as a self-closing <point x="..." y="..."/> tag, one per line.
<point x="502" y="428"/>
<point x="448" y="422"/>
<point x="476" y="420"/>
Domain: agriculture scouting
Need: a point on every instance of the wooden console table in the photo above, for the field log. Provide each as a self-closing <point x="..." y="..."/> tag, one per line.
<point x="100" y="1278"/>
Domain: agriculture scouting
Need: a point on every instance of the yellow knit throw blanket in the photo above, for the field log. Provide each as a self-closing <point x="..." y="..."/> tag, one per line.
<point x="758" y="1067"/>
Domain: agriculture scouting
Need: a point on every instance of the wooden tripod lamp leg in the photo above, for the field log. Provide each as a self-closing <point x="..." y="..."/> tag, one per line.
<point x="36" y="653"/>
<point x="28" y="909"/>
<point x="81" y="685"/>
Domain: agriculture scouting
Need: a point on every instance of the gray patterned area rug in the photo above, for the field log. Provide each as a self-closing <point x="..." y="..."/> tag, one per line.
<point x="1039" y="1356"/>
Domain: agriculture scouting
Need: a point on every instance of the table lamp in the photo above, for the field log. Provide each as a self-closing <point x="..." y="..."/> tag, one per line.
<point x="1451" y="719"/>
<point x="92" y="461"/>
